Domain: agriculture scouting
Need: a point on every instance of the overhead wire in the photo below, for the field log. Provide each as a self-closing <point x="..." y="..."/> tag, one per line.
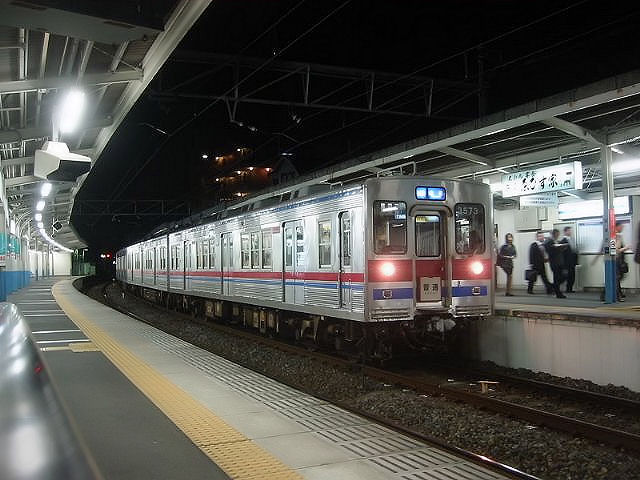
<point x="171" y="135"/>
<point x="431" y="65"/>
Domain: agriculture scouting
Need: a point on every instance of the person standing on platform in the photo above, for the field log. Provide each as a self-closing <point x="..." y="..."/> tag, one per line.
<point x="505" y="261"/>
<point x="556" y="250"/>
<point x="622" y="267"/>
<point x="570" y="257"/>
<point x="537" y="258"/>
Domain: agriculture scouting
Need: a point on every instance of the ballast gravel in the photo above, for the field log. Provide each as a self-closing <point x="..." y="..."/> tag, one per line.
<point x="535" y="450"/>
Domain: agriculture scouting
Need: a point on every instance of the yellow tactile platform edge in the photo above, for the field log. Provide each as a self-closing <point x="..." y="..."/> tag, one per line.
<point x="238" y="456"/>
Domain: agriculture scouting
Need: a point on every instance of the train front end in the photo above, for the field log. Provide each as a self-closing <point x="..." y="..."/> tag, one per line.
<point x="429" y="252"/>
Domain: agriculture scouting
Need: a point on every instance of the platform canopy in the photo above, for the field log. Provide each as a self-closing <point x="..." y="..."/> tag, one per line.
<point x="108" y="50"/>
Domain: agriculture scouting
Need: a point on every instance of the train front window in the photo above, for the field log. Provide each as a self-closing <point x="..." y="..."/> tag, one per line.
<point x="469" y="228"/>
<point x="427" y="235"/>
<point x="389" y="227"/>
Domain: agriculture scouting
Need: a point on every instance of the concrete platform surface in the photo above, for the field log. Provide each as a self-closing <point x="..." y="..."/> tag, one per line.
<point x="210" y="399"/>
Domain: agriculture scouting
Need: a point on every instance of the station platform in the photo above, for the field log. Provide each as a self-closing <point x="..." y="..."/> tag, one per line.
<point x="581" y="306"/>
<point x="149" y="405"/>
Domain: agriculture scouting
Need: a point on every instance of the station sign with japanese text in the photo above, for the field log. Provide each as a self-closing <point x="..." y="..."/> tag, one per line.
<point x="567" y="176"/>
<point x="539" y="200"/>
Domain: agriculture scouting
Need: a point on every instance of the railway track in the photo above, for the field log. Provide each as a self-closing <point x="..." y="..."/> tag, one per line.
<point x="598" y="433"/>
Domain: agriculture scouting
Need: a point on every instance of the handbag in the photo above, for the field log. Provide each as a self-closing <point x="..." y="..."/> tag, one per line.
<point x="530" y="275"/>
<point x="623" y="267"/>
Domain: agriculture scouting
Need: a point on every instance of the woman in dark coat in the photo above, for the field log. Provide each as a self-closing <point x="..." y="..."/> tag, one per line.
<point x="505" y="260"/>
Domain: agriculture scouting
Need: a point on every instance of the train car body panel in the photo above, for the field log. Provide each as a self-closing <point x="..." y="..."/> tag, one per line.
<point x="390" y="249"/>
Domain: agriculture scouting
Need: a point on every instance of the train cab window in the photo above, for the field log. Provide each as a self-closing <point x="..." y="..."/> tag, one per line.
<point x="299" y="245"/>
<point x="324" y="244"/>
<point x="267" y="238"/>
<point x="389" y="227"/>
<point x="469" y="229"/>
<point x="244" y="249"/>
<point x="345" y="241"/>
<point x="427" y="235"/>
<point x="255" y="250"/>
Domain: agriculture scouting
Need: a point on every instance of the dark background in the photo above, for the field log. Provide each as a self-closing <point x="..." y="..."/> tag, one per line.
<point x="495" y="54"/>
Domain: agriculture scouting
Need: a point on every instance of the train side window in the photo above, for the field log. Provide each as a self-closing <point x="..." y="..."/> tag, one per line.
<point x="324" y="244"/>
<point x="288" y="247"/>
<point x="212" y="254"/>
<point x="205" y="254"/>
<point x="299" y="245"/>
<point x="389" y="227"/>
<point x="244" y="250"/>
<point x="255" y="250"/>
<point x="267" y="238"/>
<point x="427" y="235"/>
<point x="469" y="229"/>
<point x="345" y="241"/>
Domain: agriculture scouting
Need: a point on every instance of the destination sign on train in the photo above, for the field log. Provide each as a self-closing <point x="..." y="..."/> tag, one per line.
<point x="431" y="193"/>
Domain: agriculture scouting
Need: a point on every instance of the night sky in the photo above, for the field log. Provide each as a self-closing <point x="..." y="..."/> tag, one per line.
<point x="521" y="50"/>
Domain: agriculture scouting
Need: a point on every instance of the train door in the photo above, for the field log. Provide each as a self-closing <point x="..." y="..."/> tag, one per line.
<point x="294" y="257"/>
<point x="430" y="250"/>
<point x="226" y="262"/>
<point x="344" y="274"/>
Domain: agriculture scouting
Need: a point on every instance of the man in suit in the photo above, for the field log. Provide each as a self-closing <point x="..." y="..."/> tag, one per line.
<point x="570" y="257"/>
<point x="556" y="251"/>
<point x="537" y="258"/>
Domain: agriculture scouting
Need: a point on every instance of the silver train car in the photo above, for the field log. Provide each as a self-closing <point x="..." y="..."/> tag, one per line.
<point x="388" y="260"/>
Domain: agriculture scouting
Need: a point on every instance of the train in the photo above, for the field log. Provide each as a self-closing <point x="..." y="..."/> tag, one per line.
<point x="380" y="264"/>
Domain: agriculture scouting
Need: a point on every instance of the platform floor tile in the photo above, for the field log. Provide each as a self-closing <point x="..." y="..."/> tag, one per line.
<point x="316" y="439"/>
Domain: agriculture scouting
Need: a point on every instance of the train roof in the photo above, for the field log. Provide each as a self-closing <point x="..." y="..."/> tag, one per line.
<point x="229" y="210"/>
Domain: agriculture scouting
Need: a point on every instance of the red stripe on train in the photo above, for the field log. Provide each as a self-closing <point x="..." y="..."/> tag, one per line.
<point x="317" y="276"/>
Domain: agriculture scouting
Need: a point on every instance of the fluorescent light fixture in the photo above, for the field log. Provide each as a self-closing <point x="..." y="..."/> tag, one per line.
<point x="205" y="156"/>
<point x="591" y="208"/>
<point x="45" y="190"/>
<point x="70" y="111"/>
<point x="617" y="150"/>
<point x="38" y="217"/>
<point x="52" y="242"/>
<point x="625" y="166"/>
<point x="40" y="205"/>
<point x="40" y="225"/>
<point x="502" y="170"/>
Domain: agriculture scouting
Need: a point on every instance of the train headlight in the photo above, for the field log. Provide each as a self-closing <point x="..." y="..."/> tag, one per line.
<point x="387" y="269"/>
<point x="477" y="268"/>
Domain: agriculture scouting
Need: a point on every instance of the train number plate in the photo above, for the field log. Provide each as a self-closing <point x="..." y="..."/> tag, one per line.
<point x="430" y="290"/>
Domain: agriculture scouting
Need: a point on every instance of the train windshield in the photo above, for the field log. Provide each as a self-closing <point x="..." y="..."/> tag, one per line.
<point x="469" y="228"/>
<point x="389" y="227"/>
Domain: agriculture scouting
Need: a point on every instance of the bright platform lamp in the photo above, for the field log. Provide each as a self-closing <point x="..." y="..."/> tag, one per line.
<point x="70" y="111"/>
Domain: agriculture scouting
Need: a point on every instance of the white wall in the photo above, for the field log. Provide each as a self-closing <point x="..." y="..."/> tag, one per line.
<point x="594" y="351"/>
<point x="590" y="272"/>
<point x="61" y="263"/>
